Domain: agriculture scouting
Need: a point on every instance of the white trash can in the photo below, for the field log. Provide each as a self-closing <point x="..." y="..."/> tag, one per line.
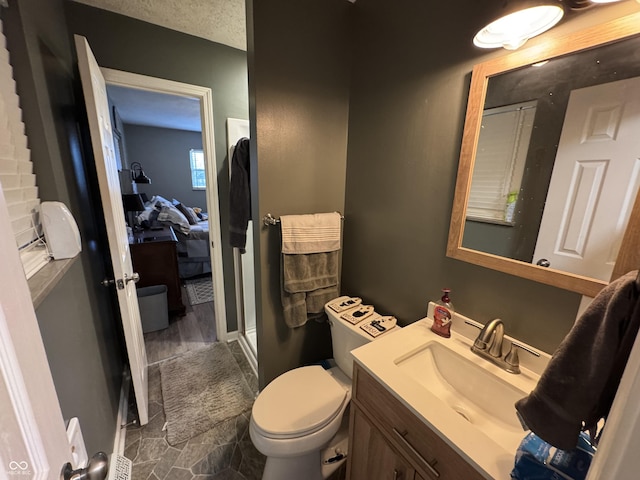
<point x="154" y="312"/>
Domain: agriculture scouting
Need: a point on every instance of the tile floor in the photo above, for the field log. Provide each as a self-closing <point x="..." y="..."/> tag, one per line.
<point x="223" y="453"/>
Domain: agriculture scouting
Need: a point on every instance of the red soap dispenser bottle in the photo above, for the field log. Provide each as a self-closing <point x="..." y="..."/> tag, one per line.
<point x="443" y="315"/>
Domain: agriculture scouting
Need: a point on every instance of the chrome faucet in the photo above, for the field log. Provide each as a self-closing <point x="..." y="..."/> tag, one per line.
<point x="488" y="345"/>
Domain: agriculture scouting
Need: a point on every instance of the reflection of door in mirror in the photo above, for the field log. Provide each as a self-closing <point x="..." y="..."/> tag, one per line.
<point x="594" y="181"/>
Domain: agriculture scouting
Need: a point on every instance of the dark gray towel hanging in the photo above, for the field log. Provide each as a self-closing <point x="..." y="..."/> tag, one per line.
<point x="577" y="388"/>
<point x="239" y="195"/>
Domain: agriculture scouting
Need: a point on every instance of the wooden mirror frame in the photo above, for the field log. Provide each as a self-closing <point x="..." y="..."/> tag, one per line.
<point x="629" y="255"/>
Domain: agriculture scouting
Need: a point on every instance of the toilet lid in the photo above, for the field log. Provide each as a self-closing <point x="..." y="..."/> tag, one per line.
<point x="298" y="402"/>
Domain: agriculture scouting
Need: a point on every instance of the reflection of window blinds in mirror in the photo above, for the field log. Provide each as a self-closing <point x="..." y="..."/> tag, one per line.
<point x="500" y="158"/>
<point x="16" y="173"/>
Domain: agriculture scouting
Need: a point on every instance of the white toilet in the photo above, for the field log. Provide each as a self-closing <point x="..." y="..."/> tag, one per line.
<point x="298" y="421"/>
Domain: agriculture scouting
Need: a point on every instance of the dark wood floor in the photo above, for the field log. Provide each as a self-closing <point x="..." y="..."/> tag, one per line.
<point x="194" y="330"/>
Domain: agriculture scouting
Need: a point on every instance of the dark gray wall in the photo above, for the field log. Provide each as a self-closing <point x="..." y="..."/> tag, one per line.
<point x="80" y="326"/>
<point x="299" y="54"/>
<point x="77" y="348"/>
<point x="164" y="155"/>
<point x="411" y="74"/>
<point x="123" y="43"/>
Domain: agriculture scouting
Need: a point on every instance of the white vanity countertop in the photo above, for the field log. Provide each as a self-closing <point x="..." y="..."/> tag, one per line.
<point x="495" y="461"/>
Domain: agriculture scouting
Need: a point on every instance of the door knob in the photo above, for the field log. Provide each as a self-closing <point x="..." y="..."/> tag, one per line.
<point x="107" y="282"/>
<point x="543" y="262"/>
<point x="135" y="277"/>
<point x="96" y="469"/>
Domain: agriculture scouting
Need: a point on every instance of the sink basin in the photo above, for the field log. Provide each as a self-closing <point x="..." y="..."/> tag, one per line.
<point x="468" y="385"/>
<point x="465" y="399"/>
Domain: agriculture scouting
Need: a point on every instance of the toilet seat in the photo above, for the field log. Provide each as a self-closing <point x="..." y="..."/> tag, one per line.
<point x="298" y="403"/>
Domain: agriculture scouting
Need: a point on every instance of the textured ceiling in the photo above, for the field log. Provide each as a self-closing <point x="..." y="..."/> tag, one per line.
<point x="221" y="21"/>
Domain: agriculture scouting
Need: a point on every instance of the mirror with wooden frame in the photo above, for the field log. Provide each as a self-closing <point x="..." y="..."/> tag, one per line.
<point x="550" y="161"/>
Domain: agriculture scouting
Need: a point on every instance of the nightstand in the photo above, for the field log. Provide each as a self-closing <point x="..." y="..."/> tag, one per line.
<point x="154" y="257"/>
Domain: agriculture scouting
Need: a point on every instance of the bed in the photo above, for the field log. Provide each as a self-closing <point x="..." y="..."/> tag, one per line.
<point x="192" y="231"/>
<point x="193" y="250"/>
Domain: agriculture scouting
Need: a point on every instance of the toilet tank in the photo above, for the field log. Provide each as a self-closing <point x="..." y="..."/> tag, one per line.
<point x="346" y="337"/>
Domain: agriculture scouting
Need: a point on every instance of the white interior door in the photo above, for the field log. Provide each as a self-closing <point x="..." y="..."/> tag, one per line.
<point x="95" y="94"/>
<point x="33" y="441"/>
<point x="595" y="180"/>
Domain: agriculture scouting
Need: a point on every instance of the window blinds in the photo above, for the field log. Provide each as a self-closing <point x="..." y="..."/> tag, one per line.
<point x="16" y="172"/>
<point x="500" y="158"/>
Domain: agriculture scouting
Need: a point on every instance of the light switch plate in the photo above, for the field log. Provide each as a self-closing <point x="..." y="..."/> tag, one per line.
<point x="76" y="442"/>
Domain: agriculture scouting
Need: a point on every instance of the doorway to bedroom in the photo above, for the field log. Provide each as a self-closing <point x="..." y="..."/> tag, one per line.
<point x="164" y="141"/>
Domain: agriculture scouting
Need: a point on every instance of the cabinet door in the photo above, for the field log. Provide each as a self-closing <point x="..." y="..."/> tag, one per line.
<point x="428" y="453"/>
<point x="371" y="457"/>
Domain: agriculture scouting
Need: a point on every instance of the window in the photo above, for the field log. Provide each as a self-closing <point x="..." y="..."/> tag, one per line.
<point x="198" y="177"/>
<point x="18" y="182"/>
<point x="500" y="159"/>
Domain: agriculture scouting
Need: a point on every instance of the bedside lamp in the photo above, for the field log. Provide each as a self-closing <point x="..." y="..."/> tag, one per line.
<point x="133" y="204"/>
<point x="138" y="174"/>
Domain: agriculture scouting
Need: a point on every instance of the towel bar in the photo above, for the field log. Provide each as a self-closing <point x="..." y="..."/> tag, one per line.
<point x="269" y="219"/>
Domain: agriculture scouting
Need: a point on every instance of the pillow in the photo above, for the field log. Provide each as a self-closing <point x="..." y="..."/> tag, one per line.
<point x="193" y="214"/>
<point x="188" y="213"/>
<point x="158" y="199"/>
<point x="171" y="214"/>
<point x="146" y="213"/>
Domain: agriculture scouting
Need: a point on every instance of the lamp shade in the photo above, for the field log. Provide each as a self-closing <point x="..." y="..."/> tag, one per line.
<point x="132" y="202"/>
<point x="520" y="21"/>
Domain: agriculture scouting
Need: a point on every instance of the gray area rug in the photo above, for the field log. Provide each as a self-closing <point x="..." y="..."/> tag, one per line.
<point x="199" y="290"/>
<point x="201" y="389"/>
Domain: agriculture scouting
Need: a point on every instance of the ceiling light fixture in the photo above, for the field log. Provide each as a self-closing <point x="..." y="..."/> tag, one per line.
<point x="584" y="4"/>
<point x="521" y="21"/>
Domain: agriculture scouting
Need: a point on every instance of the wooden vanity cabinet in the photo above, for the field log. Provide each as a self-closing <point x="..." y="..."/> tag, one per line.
<point x="388" y="442"/>
<point x="372" y="457"/>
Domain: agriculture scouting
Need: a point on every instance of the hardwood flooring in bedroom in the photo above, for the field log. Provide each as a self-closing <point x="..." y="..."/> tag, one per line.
<point x="194" y="330"/>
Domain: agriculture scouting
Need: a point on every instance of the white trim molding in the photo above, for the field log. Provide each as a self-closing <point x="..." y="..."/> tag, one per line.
<point x="28" y="453"/>
<point x="205" y="96"/>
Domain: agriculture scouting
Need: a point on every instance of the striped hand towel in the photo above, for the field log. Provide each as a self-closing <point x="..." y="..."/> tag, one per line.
<point x="312" y="233"/>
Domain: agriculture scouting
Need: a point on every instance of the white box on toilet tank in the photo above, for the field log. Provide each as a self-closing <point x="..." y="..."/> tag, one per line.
<point x="60" y="230"/>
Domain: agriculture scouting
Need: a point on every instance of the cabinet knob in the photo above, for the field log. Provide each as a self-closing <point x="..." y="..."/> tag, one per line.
<point x="397" y="475"/>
